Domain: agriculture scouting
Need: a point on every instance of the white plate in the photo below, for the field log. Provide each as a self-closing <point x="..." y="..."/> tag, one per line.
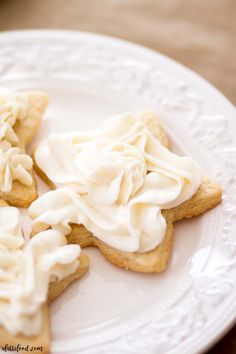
<point x="186" y="308"/>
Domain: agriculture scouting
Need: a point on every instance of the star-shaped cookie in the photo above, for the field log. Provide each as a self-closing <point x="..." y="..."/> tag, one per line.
<point x="11" y="248"/>
<point x="207" y="196"/>
<point x="20" y="117"/>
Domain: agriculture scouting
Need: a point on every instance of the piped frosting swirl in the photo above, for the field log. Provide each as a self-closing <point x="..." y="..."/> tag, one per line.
<point x="115" y="181"/>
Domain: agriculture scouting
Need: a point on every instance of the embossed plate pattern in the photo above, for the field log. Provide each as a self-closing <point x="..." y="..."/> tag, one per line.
<point x="88" y="78"/>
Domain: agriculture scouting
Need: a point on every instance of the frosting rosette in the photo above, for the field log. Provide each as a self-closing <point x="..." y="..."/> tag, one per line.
<point x="26" y="269"/>
<point x="115" y="181"/>
<point x="14" y="166"/>
<point x="13" y="107"/>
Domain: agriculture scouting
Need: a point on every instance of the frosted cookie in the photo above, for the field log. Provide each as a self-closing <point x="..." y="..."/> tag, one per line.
<point x="110" y="129"/>
<point x="31" y="276"/>
<point x="120" y="189"/>
<point x="20" y="117"/>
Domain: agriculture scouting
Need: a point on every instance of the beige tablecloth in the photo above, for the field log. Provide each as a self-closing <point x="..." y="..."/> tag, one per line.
<point x="198" y="33"/>
<point x="201" y="34"/>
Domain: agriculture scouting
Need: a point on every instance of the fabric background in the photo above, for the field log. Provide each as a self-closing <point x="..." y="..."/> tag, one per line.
<point x="200" y="34"/>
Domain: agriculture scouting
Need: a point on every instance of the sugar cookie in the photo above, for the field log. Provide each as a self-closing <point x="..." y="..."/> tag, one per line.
<point x="32" y="275"/>
<point x="20" y="117"/>
<point x="120" y="189"/>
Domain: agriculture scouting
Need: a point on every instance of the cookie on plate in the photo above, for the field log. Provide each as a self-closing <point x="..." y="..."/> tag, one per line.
<point x="20" y="117"/>
<point x="120" y="189"/>
<point x="32" y="275"/>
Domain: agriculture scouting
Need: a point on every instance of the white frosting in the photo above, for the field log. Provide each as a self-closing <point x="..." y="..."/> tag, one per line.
<point x="13" y="107"/>
<point x="115" y="181"/>
<point x="26" y="270"/>
<point x="13" y="164"/>
<point x="13" y="104"/>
